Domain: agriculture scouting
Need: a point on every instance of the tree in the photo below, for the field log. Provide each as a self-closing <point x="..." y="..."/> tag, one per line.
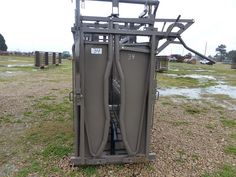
<point x="232" y="55"/>
<point x="221" y="49"/>
<point x="66" y="54"/>
<point x="3" y="46"/>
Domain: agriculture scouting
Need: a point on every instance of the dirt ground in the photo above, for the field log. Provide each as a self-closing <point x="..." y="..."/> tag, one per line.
<point x="191" y="137"/>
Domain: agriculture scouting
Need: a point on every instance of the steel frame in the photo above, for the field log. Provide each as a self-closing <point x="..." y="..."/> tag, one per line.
<point x="89" y="30"/>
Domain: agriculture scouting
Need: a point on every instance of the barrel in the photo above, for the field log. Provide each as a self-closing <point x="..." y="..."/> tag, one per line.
<point x="233" y="65"/>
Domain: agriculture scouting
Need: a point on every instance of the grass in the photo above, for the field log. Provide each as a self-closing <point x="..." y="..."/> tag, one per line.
<point x="218" y="70"/>
<point x="181" y="156"/>
<point x="211" y="126"/>
<point x="226" y="171"/>
<point x="166" y="81"/>
<point x="10" y="119"/>
<point x="195" y="157"/>
<point x="56" y="150"/>
<point x="230" y="150"/>
<point x="48" y="137"/>
<point x="230" y="123"/>
<point x="177" y="123"/>
<point x="90" y="171"/>
<point x="192" y="110"/>
<point x="233" y="136"/>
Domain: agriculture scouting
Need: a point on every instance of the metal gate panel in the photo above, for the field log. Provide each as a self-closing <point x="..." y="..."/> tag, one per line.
<point x="135" y="70"/>
<point x="95" y="65"/>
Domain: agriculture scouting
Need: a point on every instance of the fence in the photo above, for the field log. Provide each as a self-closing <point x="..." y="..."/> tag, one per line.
<point x="44" y="59"/>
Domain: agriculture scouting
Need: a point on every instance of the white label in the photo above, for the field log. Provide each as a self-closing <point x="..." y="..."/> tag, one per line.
<point x="96" y="51"/>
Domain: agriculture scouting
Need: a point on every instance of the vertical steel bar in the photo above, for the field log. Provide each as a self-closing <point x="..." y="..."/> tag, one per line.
<point x="82" y="122"/>
<point x="150" y="93"/>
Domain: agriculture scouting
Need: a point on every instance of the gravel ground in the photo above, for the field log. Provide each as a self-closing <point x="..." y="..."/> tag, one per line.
<point x="186" y="143"/>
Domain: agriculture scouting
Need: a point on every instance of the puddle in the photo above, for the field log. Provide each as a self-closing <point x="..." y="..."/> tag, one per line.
<point x="7" y="169"/>
<point x="19" y="65"/>
<point x="8" y="59"/>
<point x="174" y="69"/>
<point x="227" y="105"/>
<point x="196" y="93"/>
<point x="193" y="76"/>
<point x="11" y="73"/>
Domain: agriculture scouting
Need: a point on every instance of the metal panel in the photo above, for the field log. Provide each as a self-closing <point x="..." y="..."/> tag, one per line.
<point x="135" y="70"/>
<point x="96" y="58"/>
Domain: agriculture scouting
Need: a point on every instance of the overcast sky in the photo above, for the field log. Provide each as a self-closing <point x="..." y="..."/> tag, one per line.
<point x="29" y="25"/>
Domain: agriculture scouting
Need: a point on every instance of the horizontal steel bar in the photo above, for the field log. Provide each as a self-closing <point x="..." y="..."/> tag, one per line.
<point x="134" y="20"/>
<point x="114" y="159"/>
<point x="173" y="20"/>
<point x="149" y="2"/>
<point x="122" y="20"/>
<point x="128" y="32"/>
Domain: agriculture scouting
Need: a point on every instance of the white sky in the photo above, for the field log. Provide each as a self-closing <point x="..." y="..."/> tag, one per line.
<point x="29" y="25"/>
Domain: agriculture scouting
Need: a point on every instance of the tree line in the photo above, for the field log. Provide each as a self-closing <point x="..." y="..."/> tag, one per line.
<point x="222" y="53"/>
<point x="3" y="46"/>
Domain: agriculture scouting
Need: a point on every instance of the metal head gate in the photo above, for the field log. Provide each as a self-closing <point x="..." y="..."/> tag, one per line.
<point x="114" y="82"/>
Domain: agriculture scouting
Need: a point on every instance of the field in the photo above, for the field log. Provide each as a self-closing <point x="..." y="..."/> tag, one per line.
<point x="194" y="130"/>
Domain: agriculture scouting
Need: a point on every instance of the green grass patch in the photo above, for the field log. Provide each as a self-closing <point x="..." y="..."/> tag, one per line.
<point x="230" y="150"/>
<point x="233" y="136"/>
<point x="181" y="156"/>
<point x="28" y="113"/>
<point x="48" y="98"/>
<point x="34" y="167"/>
<point x="56" y="150"/>
<point x="228" y="123"/>
<point x="211" y="126"/>
<point x="166" y="103"/>
<point x="179" y="123"/>
<point x="226" y="171"/>
<point x="90" y="171"/>
<point x="48" y="132"/>
<point x="49" y="109"/>
<point x="166" y="81"/>
<point x="8" y="118"/>
<point x="192" y="110"/>
<point x="195" y="157"/>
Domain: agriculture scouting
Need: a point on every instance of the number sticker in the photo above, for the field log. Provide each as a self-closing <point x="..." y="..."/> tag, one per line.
<point x="96" y="51"/>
